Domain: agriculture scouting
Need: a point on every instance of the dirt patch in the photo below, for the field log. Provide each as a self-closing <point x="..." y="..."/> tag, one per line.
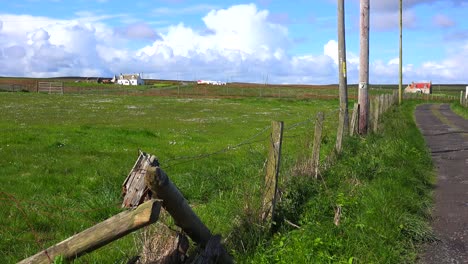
<point x="446" y="135"/>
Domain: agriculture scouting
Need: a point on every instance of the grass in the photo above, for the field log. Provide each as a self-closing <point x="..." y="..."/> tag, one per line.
<point x="382" y="183"/>
<point x="459" y="109"/>
<point x="64" y="158"/>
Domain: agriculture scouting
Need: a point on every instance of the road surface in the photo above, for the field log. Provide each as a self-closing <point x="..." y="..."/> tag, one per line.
<point x="446" y="135"/>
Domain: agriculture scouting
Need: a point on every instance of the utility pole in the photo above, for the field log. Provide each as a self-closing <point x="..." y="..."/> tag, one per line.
<point x="344" y="121"/>
<point x="363" y="93"/>
<point x="401" y="54"/>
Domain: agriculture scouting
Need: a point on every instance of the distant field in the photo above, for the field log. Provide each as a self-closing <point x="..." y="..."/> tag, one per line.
<point x="231" y="90"/>
<point x="64" y="158"/>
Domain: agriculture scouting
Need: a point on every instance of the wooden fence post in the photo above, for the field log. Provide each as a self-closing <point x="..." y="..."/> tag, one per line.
<point x="381" y="104"/>
<point x="272" y="172"/>
<point x="461" y="97"/>
<point x="384" y="105"/>
<point x="134" y="188"/>
<point x="100" y="234"/>
<point x="354" y="119"/>
<point x="340" y="132"/>
<point x="376" y="114"/>
<point x="317" y="143"/>
<point x="387" y="102"/>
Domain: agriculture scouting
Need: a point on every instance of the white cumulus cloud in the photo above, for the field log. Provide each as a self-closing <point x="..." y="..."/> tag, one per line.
<point x="239" y="43"/>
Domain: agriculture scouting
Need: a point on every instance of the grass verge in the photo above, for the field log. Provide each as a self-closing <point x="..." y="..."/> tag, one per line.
<point x="459" y="109"/>
<point x="382" y="183"/>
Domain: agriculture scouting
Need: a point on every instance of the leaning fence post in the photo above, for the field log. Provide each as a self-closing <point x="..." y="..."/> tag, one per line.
<point x="176" y="205"/>
<point x="317" y="143"/>
<point x="272" y="171"/>
<point x="461" y="97"/>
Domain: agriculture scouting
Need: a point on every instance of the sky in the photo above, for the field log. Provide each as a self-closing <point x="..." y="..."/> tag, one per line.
<point x="274" y="41"/>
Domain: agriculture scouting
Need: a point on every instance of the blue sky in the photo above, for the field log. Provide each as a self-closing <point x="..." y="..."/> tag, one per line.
<point x="288" y="41"/>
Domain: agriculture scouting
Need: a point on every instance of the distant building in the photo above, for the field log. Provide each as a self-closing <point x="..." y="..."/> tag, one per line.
<point x="210" y="82"/>
<point x="420" y="87"/>
<point x="128" y="79"/>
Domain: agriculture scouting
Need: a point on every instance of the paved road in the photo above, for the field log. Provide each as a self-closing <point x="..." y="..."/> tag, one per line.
<point x="446" y="135"/>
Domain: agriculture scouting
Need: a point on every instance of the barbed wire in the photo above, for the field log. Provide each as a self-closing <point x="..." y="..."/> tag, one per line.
<point x="220" y="151"/>
<point x="309" y="120"/>
<point x="248" y="141"/>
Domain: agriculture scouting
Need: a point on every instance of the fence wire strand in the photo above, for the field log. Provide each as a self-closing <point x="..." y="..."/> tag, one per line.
<point x="248" y="141"/>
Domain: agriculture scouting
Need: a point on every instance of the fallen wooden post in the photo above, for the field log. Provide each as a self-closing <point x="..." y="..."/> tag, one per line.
<point x="100" y="234"/>
<point x="176" y="205"/>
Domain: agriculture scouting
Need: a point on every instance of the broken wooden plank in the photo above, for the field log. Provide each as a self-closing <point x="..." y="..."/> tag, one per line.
<point x="134" y="189"/>
<point x="100" y="234"/>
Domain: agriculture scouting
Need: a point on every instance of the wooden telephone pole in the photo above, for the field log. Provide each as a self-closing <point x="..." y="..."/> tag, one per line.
<point x="401" y="54"/>
<point x="363" y="93"/>
<point x="343" y="125"/>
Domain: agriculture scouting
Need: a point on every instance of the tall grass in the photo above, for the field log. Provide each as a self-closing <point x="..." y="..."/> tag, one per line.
<point x="382" y="183"/>
<point x="459" y="109"/>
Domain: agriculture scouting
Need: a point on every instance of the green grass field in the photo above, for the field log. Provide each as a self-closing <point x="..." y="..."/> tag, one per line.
<point x="64" y="158"/>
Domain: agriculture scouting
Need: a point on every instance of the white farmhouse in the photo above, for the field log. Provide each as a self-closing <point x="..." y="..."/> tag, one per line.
<point x="129" y="79"/>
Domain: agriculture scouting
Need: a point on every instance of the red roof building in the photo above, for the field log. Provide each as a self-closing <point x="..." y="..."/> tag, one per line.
<point x="420" y="87"/>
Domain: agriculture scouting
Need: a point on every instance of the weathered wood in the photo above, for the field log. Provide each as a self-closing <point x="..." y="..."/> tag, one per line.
<point x="363" y="92"/>
<point x="317" y="143"/>
<point x="385" y="100"/>
<point x="100" y="234"/>
<point x="389" y="103"/>
<point x="134" y="189"/>
<point x="354" y="119"/>
<point x="371" y="113"/>
<point x="272" y="171"/>
<point x="376" y="114"/>
<point x="381" y="104"/>
<point x="342" y="75"/>
<point x="340" y="134"/>
<point x="177" y="206"/>
<point x="400" y="64"/>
